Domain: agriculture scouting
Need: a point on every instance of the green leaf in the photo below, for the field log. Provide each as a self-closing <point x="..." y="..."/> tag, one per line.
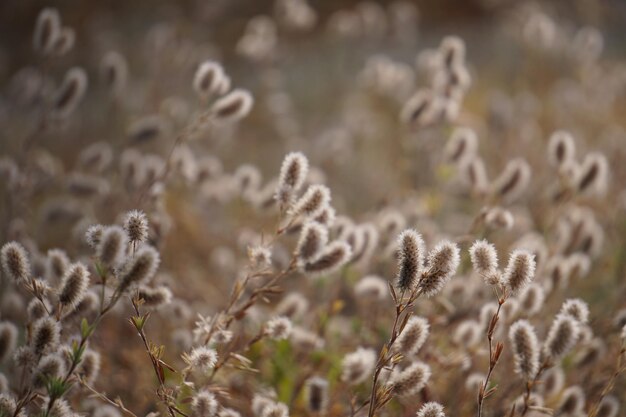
<point x="86" y="329"/>
<point x="56" y="387"/>
<point x="100" y="270"/>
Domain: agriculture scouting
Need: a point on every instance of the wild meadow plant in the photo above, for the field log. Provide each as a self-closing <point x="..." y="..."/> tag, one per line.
<point x="441" y="247"/>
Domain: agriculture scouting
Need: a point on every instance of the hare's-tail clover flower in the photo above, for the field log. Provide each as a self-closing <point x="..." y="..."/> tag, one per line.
<point x="331" y="258"/>
<point x="47" y="30"/>
<point x="576" y="308"/>
<point x="443" y="262"/>
<point x="411" y="250"/>
<point x="139" y="268"/>
<point x="520" y="270"/>
<point x="136" y="226"/>
<point x="313" y="238"/>
<point x="561" y="148"/>
<point x="484" y="257"/>
<point x="525" y="349"/>
<point x="111" y="248"/>
<point x="232" y="107"/>
<point x="431" y="409"/>
<point x="70" y="93"/>
<point x="316" y="394"/>
<point x="74" y="285"/>
<point x="204" y="404"/>
<point x="293" y="173"/>
<point x="413" y="336"/>
<point x="46" y="335"/>
<point x="410" y="380"/>
<point x="312" y="203"/>
<point x="562" y="336"/>
<point x="210" y="79"/>
<point x="14" y="261"/>
<point x="8" y="339"/>
<point x="358" y="366"/>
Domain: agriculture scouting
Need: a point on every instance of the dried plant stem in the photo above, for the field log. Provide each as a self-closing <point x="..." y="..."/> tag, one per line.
<point x="386" y="353"/>
<point x="620" y="367"/>
<point x="117" y="403"/>
<point x="226" y="357"/>
<point x="154" y="353"/>
<point x="231" y="314"/>
<point x="530" y="384"/>
<point x="494" y="355"/>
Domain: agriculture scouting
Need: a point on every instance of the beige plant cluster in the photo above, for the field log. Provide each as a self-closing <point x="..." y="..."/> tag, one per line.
<point x="442" y="247"/>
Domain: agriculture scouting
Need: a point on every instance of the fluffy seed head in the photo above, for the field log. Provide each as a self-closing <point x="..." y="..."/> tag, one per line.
<point x="232" y="107"/>
<point x="312" y="203"/>
<point x="136" y="226"/>
<point x="562" y="336"/>
<point x="561" y="148"/>
<point x="47" y="30"/>
<point x="452" y="50"/>
<point x="431" y="409"/>
<point x="411" y="380"/>
<point x="531" y="299"/>
<point x="93" y="235"/>
<point x="114" y="72"/>
<point x="513" y="181"/>
<point x="278" y="328"/>
<point x="316" y="394"/>
<point x="58" y="262"/>
<point x="411" y="250"/>
<point x="525" y="349"/>
<point x="473" y="172"/>
<point x="358" y="366"/>
<point x="422" y="109"/>
<point x="275" y="410"/>
<point x="36" y="310"/>
<point x="443" y="262"/>
<point x="46" y="334"/>
<point x="413" y="336"/>
<point x="326" y="217"/>
<point x="112" y="246"/>
<point x="139" y="268"/>
<point x="467" y="333"/>
<point x="572" y="401"/>
<point x="204" y="404"/>
<point x="313" y="238"/>
<point x="576" y="308"/>
<point x="593" y="174"/>
<point x="609" y="407"/>
<point x="553" y="382"/>
<point x="74" y="285"/>
<point x="462" y="145"/>
<point x="202" y="358"/>
<point x="210" y="79"/>
<point x="155" y="297"/>
<point x="293" y="173"/>
<point x="50" y="366"/>
<point x="293" y="305"/>
<point x="332" y="257"/>
<point x="8" y="339"/>
<point x="260" y="256"/>
<point x="520" y="270"/>
<point x="89" y="366"/>
<point x="14" y="261"/>
<point x="371" y="288"/>
<point x="64" y="42"/>
<point x="499" y="218"/>
<point x="484" y="257"/>
<point x="70" y="93"/>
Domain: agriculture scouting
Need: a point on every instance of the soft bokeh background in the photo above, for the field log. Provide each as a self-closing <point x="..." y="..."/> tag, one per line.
<point x="383" y="163"/>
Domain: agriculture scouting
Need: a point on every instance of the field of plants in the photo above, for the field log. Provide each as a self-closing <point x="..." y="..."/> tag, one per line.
<point x="240" y="208"/>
